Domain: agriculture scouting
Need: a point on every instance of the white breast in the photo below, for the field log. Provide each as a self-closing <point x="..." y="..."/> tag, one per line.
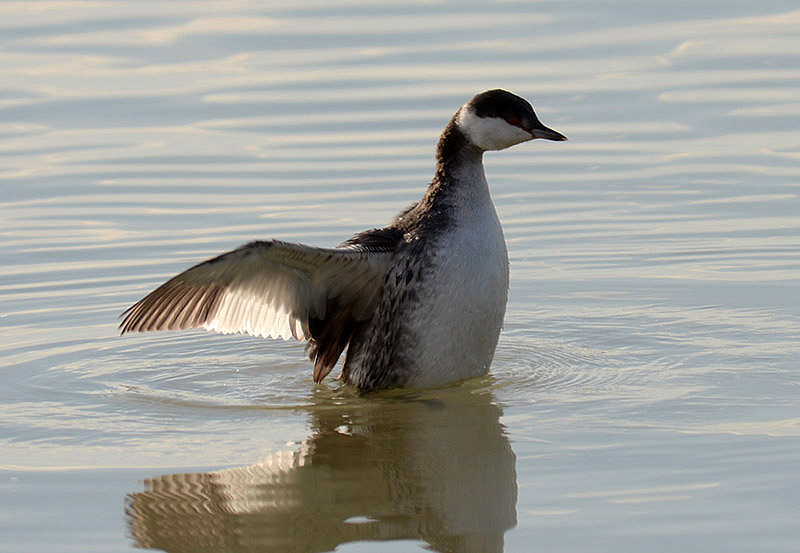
<point x="459" y="321"/>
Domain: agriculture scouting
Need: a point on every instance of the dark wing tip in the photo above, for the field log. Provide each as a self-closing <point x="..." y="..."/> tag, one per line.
<point x="184" y="301"/>
<point x="174" y="305"/>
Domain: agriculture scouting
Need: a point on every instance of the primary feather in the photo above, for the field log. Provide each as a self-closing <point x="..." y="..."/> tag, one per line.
<point x="271" y="289"/>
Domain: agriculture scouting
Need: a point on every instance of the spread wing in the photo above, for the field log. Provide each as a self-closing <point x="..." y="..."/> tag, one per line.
<point x="271" y="288"/>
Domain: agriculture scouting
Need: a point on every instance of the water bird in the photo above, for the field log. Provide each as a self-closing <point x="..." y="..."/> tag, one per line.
<point x="417" y="303"/>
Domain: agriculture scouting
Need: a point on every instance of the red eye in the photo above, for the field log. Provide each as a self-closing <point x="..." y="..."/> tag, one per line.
<point x="513" y="121"/>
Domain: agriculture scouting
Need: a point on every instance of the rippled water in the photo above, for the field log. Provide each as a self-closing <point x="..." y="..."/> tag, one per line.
<point x="644" y="395"/>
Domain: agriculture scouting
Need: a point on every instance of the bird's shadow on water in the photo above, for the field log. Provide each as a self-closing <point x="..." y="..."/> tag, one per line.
<point x="433" y="466"/>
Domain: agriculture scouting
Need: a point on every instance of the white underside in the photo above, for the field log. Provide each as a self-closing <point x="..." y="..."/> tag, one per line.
<point x="459" y="319"/>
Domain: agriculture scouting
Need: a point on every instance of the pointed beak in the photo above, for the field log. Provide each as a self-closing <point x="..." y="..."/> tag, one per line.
<point x="548" y="134"/>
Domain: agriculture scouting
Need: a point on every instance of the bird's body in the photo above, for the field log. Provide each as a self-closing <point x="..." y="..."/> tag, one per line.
<point x="444" y="294"/>
<point x="417" y="303"/>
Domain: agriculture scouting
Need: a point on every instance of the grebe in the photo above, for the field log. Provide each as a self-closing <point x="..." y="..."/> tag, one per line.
<point x="417" y="303"/>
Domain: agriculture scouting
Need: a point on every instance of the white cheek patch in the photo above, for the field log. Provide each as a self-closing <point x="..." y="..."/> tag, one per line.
<point x="490" y="133"/>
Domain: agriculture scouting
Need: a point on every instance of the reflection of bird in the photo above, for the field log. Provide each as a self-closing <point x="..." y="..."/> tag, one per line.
<point x="419" y="302"/>
<point x="439" y="470"/>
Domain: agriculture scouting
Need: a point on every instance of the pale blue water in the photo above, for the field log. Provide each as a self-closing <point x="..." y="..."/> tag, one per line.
<point x="645" y="395"/>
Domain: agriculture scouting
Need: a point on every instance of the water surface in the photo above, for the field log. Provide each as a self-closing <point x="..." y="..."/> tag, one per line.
<point x="644" y="395"/>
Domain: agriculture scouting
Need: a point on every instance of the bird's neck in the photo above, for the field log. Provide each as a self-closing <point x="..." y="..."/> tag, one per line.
<point x="459" y="173"/>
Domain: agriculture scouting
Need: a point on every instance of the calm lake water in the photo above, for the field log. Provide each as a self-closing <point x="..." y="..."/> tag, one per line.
<point x="645" y="395"/>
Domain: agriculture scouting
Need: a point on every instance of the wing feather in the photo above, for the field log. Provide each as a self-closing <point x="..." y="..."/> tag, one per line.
<point x="264" y="289"/>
